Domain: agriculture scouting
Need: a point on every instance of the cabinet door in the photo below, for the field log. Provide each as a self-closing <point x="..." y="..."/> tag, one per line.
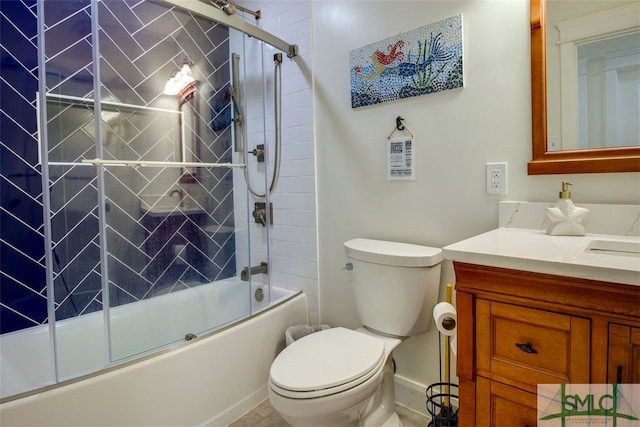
<point x="499" y="405"/>
<point x="624" y="355"/>
<point x="531" y="346"/>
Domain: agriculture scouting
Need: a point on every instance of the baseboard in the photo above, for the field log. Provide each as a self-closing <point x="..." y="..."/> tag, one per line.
<point x="413" y="395"/>
<point x="238" y="410"/>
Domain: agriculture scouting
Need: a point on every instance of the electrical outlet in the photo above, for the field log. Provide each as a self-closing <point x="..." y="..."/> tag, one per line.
<point x="497" y="178"/>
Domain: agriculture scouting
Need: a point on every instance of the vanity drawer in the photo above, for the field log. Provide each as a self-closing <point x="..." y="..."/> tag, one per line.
<point x="531" y="346"/>
<point x="499" y="405"/>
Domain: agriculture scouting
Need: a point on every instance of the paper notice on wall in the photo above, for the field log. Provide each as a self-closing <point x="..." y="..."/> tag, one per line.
<point x="400" y="159"/>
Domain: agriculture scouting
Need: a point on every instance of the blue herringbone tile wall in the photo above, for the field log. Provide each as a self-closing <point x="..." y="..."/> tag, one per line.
<point x="140" y="43"/>
<point x="22" y="278"/>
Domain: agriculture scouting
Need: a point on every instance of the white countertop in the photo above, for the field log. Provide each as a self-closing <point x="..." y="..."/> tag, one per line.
<point x="534" y="250"/>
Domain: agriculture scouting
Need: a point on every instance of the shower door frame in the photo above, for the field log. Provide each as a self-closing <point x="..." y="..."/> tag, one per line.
<point x="217" y="15"/>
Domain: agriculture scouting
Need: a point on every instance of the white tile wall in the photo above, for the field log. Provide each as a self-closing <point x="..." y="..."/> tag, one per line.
<point x="294" y="254"/>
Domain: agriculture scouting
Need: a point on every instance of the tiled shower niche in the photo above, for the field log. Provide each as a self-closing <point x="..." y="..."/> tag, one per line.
<point x="165" y="228"/>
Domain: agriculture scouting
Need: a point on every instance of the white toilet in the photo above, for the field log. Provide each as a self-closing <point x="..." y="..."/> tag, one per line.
<point x="341" y="377"/>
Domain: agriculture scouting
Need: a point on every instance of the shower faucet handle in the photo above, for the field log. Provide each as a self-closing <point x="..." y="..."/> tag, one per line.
<point x="259" y="152"/>
<point x="260" y="213"/>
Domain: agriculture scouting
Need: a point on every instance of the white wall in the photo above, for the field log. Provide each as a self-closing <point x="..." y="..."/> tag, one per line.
<point x="457" y="133"/>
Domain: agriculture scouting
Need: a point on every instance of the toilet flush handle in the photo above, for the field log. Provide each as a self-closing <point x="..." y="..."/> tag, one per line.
<point x="348" y="266"/>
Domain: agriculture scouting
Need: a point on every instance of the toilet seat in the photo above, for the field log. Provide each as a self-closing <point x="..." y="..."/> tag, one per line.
<point x="326" y="362"/>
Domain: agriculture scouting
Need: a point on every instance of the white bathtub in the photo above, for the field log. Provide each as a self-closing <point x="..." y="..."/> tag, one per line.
<point x="210" y="381"/>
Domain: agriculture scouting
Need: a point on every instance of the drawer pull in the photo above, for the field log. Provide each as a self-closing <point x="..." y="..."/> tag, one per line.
<point x="527" y="348"/>
<point x="619" y="375"/>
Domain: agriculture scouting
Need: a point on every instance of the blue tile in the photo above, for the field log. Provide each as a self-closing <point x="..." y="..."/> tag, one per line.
<point x="158" y="29"/>
<point x="59" y="10"/>
<point x="24" y="50"/>
<point x="19" y="235"/>
<point x="21" y="269"/>
<point x="72" y="62"/>
<point x="111" y="26"/>
<point x="80" y="84"/>
<point x="19" y="80"/>
<point x="121" y="9"/>
<point x="21" y="15"/>
<point x="147" y="11"/>
<point x="79" y="244"/>
<point x="158" y="56"/>
<point x="77" y="185"/>
<point x="218" y="34"/>
<point x="10" y="321"/>
<point x="20" y="194"/>
<point x="113" y="54"/>
<point x="78" y="272"/>
<point x="117" y="87"/>
<point x="118" y="296"/>
<point x="67" y="33"/>
<point x="16" y="138"/>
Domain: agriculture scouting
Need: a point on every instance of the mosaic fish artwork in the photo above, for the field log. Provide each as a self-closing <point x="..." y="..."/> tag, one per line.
<point x="425" y="60"/>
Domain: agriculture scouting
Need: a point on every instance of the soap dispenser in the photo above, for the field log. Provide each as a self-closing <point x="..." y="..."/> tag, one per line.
<point x="566" y="218"/>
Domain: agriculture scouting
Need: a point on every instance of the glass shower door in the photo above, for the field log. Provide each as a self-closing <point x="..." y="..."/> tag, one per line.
<point x="170" y="227"/>
<point x="72" y="231"/>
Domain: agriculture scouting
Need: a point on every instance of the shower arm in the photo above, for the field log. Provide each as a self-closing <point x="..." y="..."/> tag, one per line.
<point x="211" y="12"/>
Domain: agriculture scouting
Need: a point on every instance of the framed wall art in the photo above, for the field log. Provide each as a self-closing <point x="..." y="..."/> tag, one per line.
<point x="418" y="62"/>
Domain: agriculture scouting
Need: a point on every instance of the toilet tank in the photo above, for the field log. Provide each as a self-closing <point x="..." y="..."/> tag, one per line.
<point x="395" y="285"/>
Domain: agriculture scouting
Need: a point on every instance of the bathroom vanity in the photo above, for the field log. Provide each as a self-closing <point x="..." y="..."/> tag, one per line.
<point x="538" y="309"/>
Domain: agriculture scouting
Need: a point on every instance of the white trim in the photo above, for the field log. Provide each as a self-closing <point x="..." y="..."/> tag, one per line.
<point x="413" y="395"/>
<point x="599" y="26"/>
<point x="611" y="23"/>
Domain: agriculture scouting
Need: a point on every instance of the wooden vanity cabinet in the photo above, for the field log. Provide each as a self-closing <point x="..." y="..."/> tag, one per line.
<point x="518" y="329"/>
<point x="624" y="354"/>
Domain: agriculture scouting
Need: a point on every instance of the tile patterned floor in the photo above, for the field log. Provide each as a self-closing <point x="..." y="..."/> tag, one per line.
<point x="264" y="415"/>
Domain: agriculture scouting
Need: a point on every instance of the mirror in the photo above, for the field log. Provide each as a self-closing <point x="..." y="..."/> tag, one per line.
<point x="548" y="159"/>
<point x="190" y="129"/>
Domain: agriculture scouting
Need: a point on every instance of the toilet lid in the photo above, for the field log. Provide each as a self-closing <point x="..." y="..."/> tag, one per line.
<point x="327" y="360"/>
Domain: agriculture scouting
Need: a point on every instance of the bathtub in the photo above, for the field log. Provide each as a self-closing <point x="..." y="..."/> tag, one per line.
<point x="209" y="381"/>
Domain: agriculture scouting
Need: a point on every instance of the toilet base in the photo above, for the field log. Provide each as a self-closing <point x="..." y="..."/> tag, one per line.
<point x="393" y="421"/>
<point x="384" y="402"/>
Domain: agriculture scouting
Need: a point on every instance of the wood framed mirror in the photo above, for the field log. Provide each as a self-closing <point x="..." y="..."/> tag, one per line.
<point x="544" y="161"/>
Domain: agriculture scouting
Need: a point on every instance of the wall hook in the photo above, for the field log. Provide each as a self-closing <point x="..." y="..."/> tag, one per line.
<point x="400" y="127"/>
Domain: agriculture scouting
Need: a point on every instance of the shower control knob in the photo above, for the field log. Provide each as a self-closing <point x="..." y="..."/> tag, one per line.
<point x="348" y="266"/>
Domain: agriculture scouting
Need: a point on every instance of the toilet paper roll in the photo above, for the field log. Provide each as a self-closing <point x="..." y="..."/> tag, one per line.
<point x="446" y="318"/>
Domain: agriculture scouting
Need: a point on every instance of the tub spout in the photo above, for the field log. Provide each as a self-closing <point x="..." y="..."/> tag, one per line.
<point x="248" y="272"/>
